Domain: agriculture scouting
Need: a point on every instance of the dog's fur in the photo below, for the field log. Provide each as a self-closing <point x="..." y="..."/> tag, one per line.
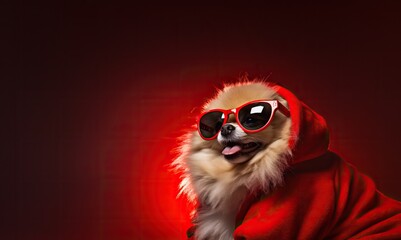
<point x="218" y="185"/>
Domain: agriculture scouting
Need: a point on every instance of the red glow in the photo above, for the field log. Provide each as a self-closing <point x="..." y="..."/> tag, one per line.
<point x="103" y="91"/>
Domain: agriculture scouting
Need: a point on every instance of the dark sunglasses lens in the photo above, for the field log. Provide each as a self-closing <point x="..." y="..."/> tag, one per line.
<point x="210" y="124"/>
<point x="255" y="115"/>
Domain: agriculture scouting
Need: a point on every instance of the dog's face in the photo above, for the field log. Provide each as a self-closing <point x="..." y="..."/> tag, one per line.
<point x="233" y="146"/>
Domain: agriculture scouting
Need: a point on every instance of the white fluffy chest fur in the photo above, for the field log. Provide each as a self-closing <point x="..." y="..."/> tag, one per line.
<point x="221" y="187"/>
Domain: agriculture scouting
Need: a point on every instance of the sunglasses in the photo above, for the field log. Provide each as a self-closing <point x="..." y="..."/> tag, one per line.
<point x="252" y="117"/>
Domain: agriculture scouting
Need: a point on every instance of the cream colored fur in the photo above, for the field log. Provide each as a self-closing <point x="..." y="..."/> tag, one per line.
<point x="220" y="186"/>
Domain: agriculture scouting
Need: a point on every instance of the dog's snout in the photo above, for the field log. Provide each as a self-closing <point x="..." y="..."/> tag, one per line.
<point x="227" y="129"/>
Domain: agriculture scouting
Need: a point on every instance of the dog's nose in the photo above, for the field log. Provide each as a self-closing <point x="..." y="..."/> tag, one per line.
<point x="227" y="129"/>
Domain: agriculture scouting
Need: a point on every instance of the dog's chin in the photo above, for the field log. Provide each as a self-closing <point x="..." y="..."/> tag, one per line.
<point x="240" y="152"/>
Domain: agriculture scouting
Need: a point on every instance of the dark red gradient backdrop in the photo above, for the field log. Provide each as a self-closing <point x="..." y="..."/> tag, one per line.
<point x="96" y="95"/>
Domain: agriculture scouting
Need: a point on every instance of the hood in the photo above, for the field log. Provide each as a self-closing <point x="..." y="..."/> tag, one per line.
<point x="309" y="132"/>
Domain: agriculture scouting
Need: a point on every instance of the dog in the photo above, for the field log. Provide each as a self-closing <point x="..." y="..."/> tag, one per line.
<point x="258" y="167"/>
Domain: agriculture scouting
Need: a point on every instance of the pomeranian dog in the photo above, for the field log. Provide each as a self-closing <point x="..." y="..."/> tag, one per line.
<point x="258" y="167"/>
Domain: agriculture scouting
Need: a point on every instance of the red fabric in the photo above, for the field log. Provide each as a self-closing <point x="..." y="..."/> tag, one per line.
<point x="323" y="197"/>
<point x="310" y="136"/>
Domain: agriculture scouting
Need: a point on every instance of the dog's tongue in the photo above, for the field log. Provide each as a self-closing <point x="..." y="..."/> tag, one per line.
<point x="231" y="150"/>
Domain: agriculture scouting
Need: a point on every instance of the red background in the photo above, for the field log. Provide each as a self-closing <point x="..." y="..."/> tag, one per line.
<point x="95" y="96"/>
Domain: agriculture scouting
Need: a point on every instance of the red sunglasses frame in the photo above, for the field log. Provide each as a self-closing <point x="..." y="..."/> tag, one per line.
<point x="276" y="105"/>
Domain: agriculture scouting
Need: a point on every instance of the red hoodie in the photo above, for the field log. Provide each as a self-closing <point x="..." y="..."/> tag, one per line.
<point x="323" y="197"/>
